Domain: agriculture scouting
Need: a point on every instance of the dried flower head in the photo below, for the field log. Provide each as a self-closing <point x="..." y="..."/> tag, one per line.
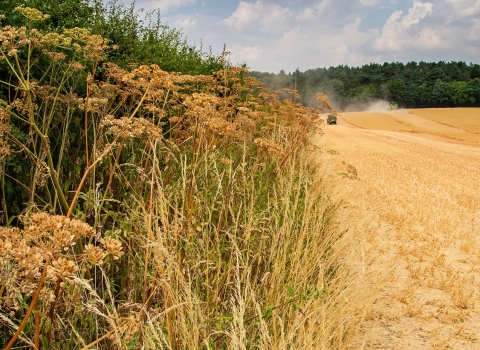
<point x="132" y="127"/>
<point x="5" y="247"/>
<point x="47" y="295"/>
<point x="243" y="109"/>
<point x="55" y="39"/>
<point x="269" y="146"/>
<point x="94" y="104"/>
<point x="65" y="268"/>
<point x="4" y="131"/>
<point x="77" y="33"/>
<point x="94" y="254"/>
<point x="32" y="14"/>
<point x="324" y="103"/>
<point x="113" y="247"/>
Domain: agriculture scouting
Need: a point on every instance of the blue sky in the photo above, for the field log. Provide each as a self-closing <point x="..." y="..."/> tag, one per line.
<point x="285" y="34"/>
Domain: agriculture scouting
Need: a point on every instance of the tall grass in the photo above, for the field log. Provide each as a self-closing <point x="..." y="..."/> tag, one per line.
<point x="161" y="210"/>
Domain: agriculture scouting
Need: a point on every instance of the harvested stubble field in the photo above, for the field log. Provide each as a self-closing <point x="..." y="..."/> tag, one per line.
<point x="416" y="197"/>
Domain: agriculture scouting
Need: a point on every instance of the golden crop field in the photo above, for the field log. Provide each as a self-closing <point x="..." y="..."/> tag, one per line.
<point x="467" y="119"/>
<point x="462" y="124"/>
<point x="415" y="197"/>
<point x="376" y="121"/>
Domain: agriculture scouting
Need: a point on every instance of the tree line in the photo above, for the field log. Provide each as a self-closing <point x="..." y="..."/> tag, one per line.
<point x="411" y="85"/>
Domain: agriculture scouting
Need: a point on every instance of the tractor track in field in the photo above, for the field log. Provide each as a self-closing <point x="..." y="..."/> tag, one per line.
<point x="416" y="199"/>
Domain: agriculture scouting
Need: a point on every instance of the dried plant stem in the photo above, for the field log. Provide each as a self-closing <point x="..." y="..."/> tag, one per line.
<point x="87" y="160"/>
<point x="111" y="174"/>
<point x="87" y="171"/>
<point x="31" y="307"/>
<point x="147" y="306"/>
<point x="149" y="227"/>
<point x="56" y="184"/>
<point x="82" y="182"/>
<point x="104" y="336"/>
<point x="51" y="167"/>
<point x="293" y="149"/>
<point x="51" y="313"/>
<point x="36" y="339"/>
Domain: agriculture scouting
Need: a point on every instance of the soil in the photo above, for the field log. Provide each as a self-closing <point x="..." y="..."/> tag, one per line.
<point x="415" y="197"/>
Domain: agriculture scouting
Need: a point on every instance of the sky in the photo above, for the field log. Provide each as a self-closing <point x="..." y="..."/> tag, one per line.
<point x="271" y="35"/>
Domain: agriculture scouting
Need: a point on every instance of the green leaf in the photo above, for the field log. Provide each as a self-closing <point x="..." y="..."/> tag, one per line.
<point x="10" y="220"/>
<point x="228" y="316"/>
<point x="268" y="314"/>
<point x="66" y="186"/>
<point x="290" y="290"/>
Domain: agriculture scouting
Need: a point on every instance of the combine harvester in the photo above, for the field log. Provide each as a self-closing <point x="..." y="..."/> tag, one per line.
<point x="393" y="106"/>
<point x="332" y="119"/>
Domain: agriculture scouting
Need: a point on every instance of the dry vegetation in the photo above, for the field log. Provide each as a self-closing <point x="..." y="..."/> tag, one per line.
<point x="165" y="210"/>
<point x="417" y="199"/>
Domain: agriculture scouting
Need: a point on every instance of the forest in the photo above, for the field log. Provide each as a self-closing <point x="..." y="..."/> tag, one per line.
<point x="411" y="85"/>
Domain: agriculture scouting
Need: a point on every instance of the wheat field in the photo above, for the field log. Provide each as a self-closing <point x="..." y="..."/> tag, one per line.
<point x="376" y="121"/>
<point x="461" y="124"/>
<point x="415" y="197"/>
<point x="467" y="119"/>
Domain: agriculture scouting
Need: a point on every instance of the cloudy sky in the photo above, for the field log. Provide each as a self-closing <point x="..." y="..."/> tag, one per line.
<point x="270" y="35"/>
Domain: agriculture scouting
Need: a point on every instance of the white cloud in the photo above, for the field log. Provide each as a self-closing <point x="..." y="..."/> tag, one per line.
<point x="307" y="14"/>
<point x="308" y="47"/>
<point x="429" y="39"/>
<point x="243" y="16"/>
<point x="271" y="35"/>
<point x="268" y="16"/>
<point x="400" y="30"/>
<point x="370" y="2"/>
<point x="241" y="54"/>
<point x="185" y="23"/>
<point x="417" y="12"/>
<point x="165" y="5"/>
<point x="466" y="8"/>
<point x="476" y="23"/>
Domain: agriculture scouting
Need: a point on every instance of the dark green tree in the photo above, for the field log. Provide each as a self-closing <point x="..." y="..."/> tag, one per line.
<point x="397" y="91"/>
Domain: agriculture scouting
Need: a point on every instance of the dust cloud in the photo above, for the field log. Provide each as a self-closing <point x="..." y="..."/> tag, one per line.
<point x="377" y="106"/>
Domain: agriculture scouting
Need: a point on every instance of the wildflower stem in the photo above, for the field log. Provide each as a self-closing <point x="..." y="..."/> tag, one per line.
<point x="104" y="336"/>
<point x="87" y="171"/>
<point x="12" y="68"/>
<point x="31" y="307"/>
<point x="8" y="84"/>
<point x="4" y="208"/>
<point x="56" y="184"/>
<point x="149" y="226"/>
<point x="36" y="339"/>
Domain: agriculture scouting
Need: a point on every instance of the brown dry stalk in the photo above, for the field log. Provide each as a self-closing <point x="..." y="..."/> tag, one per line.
<point x="33" y="304"/>
<point x="107" y="149"/>
<point x="109" y="333"/>
<point x="36" y="339"/>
